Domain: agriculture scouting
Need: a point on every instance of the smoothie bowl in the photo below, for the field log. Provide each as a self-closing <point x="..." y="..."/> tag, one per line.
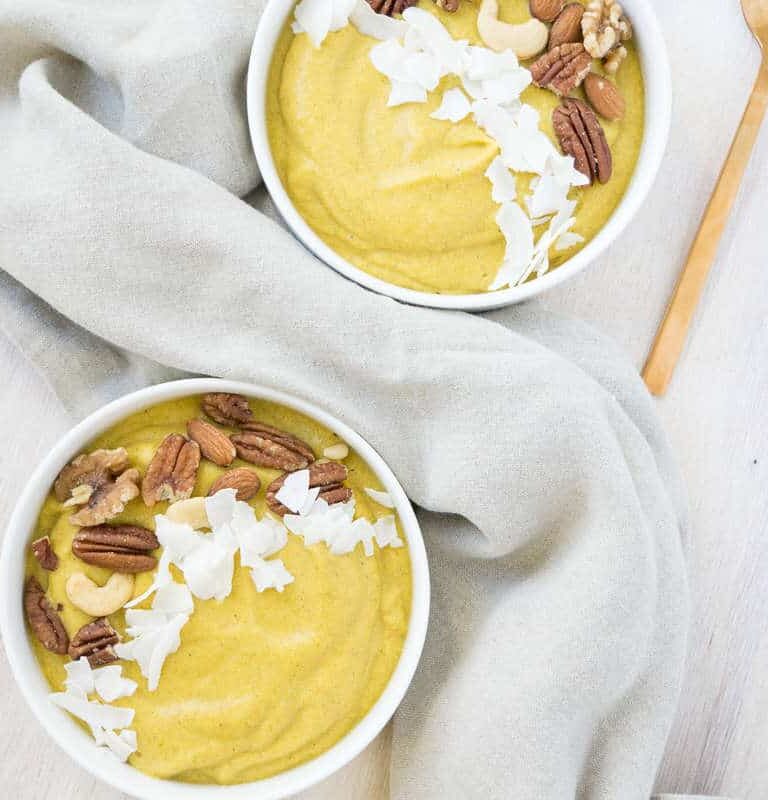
<point x="460" y="153"/>
<point x="213" y="590"/>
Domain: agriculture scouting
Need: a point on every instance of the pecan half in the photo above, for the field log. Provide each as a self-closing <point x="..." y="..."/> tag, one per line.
<point x="43" y="618"/>
<point x="581" y="135"/>
<point x="328" y="475"/>
<point x="123" y="548"/>
<point x="227" y="409"/>
<point x="214" y="444"/>
<point x="172" y="473"/>
<point x="43" y="552"/>
<point x="95" y="641"/>
<point x="266" y="446"/>
<point x="562" y="69"/>
<point x="392" y="7"/>
<point x="244" y="481"/>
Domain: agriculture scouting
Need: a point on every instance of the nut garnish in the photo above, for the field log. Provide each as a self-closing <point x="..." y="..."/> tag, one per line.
<point x="581" y="136"/>
<point x="391" y="7"/>
<point x="190" y="512"/>
<point x="226" y="408"/>
<point x="526" y="40"/>
<point x="102" y="481"/>
<point x="615" y="59"/>
<point x="605" y="28"/>
<point x="336" y="452"/>
<point x="604" y="96"/>
<point x="266" y="446"/>
<point x="43" y="552"/>
<point x="546" y="10"/>
<point x="563" y="69"/>
<point x="108" y="500"/>
<point x="43" y="618"/>
<point x="125" y="548"/>
<point x="450" y="6"/>
<point x="566" y="29"/>
<point x="99" y="601"/>
<point x="244" y="481"/>
<point x="329" y="476"/>
<point x="94" y="641"/>
<point x="172" y="472"/>
<point x="214" y="444"/>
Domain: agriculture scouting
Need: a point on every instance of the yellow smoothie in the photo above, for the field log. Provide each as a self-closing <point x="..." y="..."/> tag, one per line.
<point x="262" y="682"/>
<point x="398" y="194"/>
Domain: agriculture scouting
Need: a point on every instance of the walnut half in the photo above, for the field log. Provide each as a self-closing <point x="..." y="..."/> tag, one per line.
<point x="606" y="28"/>
<point x="100" y="482"/>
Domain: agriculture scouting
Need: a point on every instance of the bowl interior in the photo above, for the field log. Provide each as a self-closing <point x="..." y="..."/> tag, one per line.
<point x="62" y="727"/>
<point x="655" y="67"/>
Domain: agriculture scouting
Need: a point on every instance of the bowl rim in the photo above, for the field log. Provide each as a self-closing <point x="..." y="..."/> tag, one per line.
<point x="62" y="728"/>
<point x="658" y="111"/>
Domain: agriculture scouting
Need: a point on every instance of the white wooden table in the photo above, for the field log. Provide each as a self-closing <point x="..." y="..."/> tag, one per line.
<point x="715" y="413"/>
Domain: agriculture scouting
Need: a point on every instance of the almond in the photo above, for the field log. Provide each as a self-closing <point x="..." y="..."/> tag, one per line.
<point x="604" y="96"/>
<point x="566" y="29"/>
<point x="244" y="481"/>
<point x="214" y="444"/>
<point x="546" y="10"/>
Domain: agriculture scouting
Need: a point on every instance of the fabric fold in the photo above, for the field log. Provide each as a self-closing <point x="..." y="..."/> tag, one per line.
<point x="551" y="506"/>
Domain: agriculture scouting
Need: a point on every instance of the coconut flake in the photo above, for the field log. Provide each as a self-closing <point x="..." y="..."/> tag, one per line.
<point x="518" y="234"/>
<point x="568" y="240"/>
<point x="79" y="676"/>
<point x="336" y="526"/>
<point x="385" y="532"/>
<point x="503" y="182"/>
<point x="294" y="493"/>
<point x="382" y="498"/>
<point x="110" y="684"/>
<point x="317" y="18"/>
<point x="270" y="575"/>
<point x="454" y="107"/>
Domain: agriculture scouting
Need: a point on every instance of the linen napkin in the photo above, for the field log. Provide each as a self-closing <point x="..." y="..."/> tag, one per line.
<point x="549" y="501"/>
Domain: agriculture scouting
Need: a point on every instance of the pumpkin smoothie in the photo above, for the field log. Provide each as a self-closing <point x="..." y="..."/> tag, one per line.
<point x="288" y="658"/>
<point x="404" y="196"/>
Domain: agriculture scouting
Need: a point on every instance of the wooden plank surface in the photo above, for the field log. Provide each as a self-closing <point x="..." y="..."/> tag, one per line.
<point x="715" y="413"/>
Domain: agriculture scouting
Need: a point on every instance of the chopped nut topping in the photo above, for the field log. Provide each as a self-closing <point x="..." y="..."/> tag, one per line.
<point x="172" y="473"/>
<point x="43" y="618"/>
<point x="266" y="446"/>
<point x="124" y="548"/>
<point x="605" y="27"/>
<point x="95" y="641"/>
<point x="227" y="409"/>
<point x="43" y="552"/>
<point x="329" y="476"/>
<point x="99" y="481"/>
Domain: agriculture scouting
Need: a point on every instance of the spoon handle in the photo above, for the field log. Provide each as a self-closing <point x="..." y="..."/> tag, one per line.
<point x="673" y="331"/>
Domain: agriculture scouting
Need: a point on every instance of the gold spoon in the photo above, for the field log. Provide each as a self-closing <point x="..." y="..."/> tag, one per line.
<point x="673" y="331"/>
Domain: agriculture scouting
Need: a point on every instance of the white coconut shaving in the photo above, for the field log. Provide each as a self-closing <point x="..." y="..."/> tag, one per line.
<point x="382" y="498"/>
<point x="317" y="18"/>
<point x="454" y="106"/>
<point x="156" y="633"/>
<point x="295" y="493"/>
<point x="108" y="724"/>
<point x="502" y="180"/>
<point x="377" y="26"/>
<point x="336" y="526"/>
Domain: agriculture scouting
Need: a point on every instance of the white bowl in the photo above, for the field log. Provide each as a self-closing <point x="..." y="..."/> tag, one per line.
<point x="79" y="745"/>
<point x="658" y="103"/>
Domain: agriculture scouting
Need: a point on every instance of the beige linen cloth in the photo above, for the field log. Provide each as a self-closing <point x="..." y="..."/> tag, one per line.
<point x="550" y="505"/>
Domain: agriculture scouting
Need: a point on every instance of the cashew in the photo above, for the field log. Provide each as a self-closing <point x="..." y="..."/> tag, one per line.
<point x="191" y="511"/>
<point x="526" y="40"/>
<point x="99" y="601"/>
